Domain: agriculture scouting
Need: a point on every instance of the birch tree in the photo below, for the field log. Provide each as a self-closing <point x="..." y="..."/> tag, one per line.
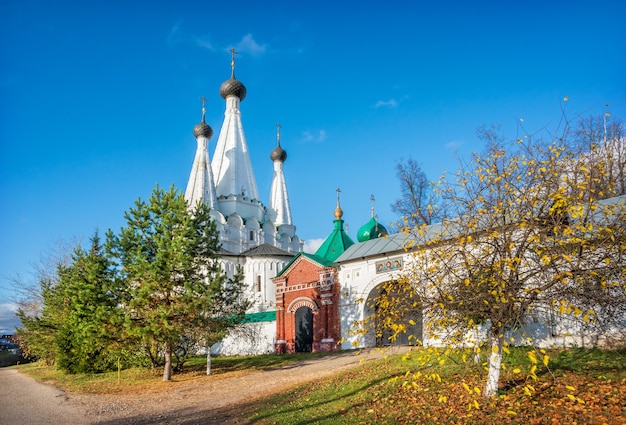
<point x="534" y="229"/>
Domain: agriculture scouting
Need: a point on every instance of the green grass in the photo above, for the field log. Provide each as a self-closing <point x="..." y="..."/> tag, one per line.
<point x="418" y="389"/>
<point x="141" y="378"/>
<point x="91" y="383"/>
<point x="337" y="400"/>
<point x="243" y="363"/>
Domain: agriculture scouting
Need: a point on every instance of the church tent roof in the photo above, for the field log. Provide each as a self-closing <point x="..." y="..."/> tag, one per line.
<point x="335" y="244"/>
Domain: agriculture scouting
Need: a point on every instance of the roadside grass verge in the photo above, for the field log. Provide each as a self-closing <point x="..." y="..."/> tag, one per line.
<point x="578" y="386"/>
<point x="147" y="379"/>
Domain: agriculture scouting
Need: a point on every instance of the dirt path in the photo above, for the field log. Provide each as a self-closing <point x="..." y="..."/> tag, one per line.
<point x="25" y="401"/>
<point x="219" y="399"/>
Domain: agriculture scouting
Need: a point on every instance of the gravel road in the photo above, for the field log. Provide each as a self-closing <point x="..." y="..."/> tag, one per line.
<point x="25" y="401"/>
<point x="218" y="399"/>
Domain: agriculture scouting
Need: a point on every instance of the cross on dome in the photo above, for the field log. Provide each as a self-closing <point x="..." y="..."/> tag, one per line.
<point x="338" y="210"/>
<point x="278" y="154"/>
<point x="232" y="61"/>
<point x="203" y="99"/>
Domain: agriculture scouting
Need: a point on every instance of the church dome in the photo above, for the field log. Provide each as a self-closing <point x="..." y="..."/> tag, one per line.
<point x="233" y="87"/>
<point x="278" y="154"/>
<point x="371" y="230"/>
<point x="203" y="129"/>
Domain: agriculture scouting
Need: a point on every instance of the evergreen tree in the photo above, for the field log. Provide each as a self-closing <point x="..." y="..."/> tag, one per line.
<point x="78" y="325"/>
<point x="89" y="336"/>
<point x="173" y="285"/>
<point x="37" y="335"/>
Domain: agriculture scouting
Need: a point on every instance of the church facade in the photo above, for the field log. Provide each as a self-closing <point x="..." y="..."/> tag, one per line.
<point x="260" y="239"/>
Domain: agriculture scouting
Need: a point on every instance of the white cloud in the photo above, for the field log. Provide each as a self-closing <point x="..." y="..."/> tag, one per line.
<point x="249" y="45"/>
<point x="311" y="246"/>
<point x="204" y="42"/>
<point x="308" y="137"/>
<point x="8" y="319"/>
<point x="454" y="145"/>
<point x="391" y="103"/>
<point x="175" y="34"/>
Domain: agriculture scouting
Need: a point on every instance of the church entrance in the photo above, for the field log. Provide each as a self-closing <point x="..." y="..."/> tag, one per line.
<point x="394" y="316"/>
<point x="304" y="330"/>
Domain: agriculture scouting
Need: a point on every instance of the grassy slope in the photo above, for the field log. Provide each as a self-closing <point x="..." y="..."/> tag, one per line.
<point x="138" y="379"/>
<point x="580" y="386"/>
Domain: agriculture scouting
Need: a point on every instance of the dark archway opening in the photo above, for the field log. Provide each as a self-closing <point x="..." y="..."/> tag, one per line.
<point x="304" y="330"/>
<point x="394" y="315"/>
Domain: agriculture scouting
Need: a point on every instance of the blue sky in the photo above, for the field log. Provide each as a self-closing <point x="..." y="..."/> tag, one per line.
<point x="98" y="99"/>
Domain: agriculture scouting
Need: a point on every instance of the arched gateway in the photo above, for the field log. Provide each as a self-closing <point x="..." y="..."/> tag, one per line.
<point x="304" y="330"/>
<point x="392" y="316"/>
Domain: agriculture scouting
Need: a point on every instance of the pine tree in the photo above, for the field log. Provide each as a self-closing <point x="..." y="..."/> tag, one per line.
<point x="173" y="283"/>
<point x="89" y="337"/>
<point x="37" y="334"/>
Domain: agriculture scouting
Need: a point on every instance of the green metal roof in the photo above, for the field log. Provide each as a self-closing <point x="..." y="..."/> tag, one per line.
<point x="335" y="244"/>
<point x="263" y="316"/>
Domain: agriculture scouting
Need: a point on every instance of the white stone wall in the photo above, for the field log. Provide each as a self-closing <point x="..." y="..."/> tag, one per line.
<point x="248" y="339"/>
<point x="253" y="338"/>
<point x="358" y="279"/>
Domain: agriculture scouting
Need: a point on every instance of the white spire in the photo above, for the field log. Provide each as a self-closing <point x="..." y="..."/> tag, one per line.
<point x="200" y="186"/>
<point x="279" y="210"/>
<point x="231" y="163"/>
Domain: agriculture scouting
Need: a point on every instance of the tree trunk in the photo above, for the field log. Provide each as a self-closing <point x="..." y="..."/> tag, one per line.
<point x="208" y="360"/>
<point x="495" y="361"/>
<point x="167" y="371"/>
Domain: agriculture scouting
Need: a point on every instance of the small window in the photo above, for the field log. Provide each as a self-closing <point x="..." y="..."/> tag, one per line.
<point x="258" y="283"/>
<point x="251" y="235"/>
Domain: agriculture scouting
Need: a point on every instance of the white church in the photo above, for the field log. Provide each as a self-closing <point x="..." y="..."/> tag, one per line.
<point x="260" y="238"/>
<point x="300" y="301"/>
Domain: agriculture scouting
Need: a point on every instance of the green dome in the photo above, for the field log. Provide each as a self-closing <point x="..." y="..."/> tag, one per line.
<point x="371" y="230"/>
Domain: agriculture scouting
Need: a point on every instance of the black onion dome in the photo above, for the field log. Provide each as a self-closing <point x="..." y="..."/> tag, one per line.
<point x="203" y="129"/>
<point x="278" y="154"/>
<point x="233" y="87"/>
